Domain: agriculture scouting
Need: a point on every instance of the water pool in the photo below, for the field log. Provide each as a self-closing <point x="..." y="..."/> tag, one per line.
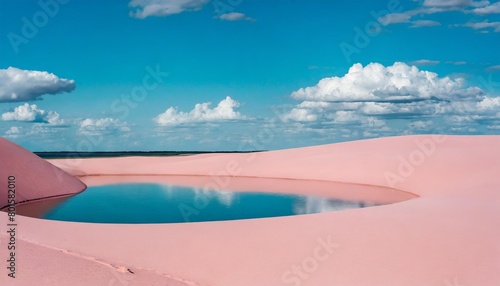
<point x="166" y="203"/>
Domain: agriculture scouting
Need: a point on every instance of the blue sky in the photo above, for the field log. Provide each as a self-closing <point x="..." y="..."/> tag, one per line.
<point x="138" y="75"/>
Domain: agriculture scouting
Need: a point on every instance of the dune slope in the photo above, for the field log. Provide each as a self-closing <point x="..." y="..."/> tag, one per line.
<point x="33" y="177"/>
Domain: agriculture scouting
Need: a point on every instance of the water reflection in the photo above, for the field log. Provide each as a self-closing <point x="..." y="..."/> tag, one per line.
<point x="161" y="203"/>
<point x="224" y="197"/>
<point x="310" y="205"/>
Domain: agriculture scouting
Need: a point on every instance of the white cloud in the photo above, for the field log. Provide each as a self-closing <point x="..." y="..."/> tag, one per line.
<point x="428" y="7"/>
<point x="420" y="125"/>
<point x="456" y="63"/>
<point x="342" y="116"/>
<point x="493" y="68"/>
<point x="235" y="16"/>
<point x="490" y="9"/>
<point x="375" y="123"/>
<point x="484" y="26"/>
<point x="25" y="85"/>
<point x="397" y="109"/>
<point x="448" y="3"/>
<point x="376" y="108"/>
<point x="225" y="110"/>
<point x="424" y="63"/>
<point x="31" y="113"/>
<point x="489" y="103"/>
<point x="424" y="23"/>
<point x="399" y="99"/>
<point x="300" y="115"/>
<point x="36" y="131"/>
<point x="394" y="18"/>
<point x="378" y="83"/>
<point x="145" y="8"/>
<point x="97" y="126"/>
<point x="315" y="104"/>
<point x="13" y="132"/>
<point x="479" y="4"/>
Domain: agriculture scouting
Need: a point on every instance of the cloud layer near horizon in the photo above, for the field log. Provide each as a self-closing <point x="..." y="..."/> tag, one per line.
<point x="99" y="126"/>
<point x="374" y="95"/>
<point x="25" y="85"/>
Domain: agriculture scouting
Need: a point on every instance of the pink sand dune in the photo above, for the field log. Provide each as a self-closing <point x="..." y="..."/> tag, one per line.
<point x="449" y="235"/>
<point x="34" y="177"/>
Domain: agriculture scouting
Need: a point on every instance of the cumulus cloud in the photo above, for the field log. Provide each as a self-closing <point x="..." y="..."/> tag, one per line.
<point x="343" y="116"/>
<point x="374" y="82"/>
<point x="305" y="111"/>
<point x="97" y="126"/>
<point x="31" y="113"/>
<point x="235" y="16"/>
<point x="300" y="115"/>
<point x="146" y="8"/>
<point x="13" y="132"/>
<point x="489" y="103"/>
<point x="224" y="111"/>
<point x="24" y="85"/>
<point x="375" y="101"/>
<point x="490" y="9"/>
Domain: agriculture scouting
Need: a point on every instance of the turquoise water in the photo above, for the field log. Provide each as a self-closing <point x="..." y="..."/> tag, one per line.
<point x="158" y="203"/>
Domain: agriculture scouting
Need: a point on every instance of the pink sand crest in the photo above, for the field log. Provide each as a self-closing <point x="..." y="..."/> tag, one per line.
<point x="34" y="177"/>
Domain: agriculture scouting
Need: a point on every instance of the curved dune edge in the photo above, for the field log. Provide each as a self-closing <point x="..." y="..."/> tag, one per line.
<point x="328" y="189"/>
<point x="448" y="236"/>
<point x="35" y="178"/>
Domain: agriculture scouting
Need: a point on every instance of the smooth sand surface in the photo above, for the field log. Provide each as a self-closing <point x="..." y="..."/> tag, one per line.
<point x="449" y="235"/>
